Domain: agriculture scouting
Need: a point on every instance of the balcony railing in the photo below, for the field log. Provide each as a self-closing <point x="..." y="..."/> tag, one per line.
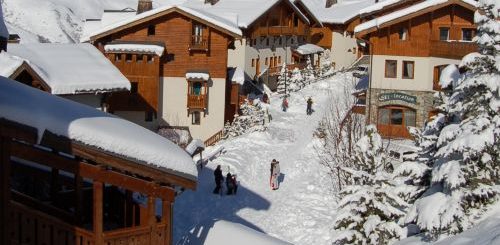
<point x="277" y="69"/>
<point x="196" y="101"/>
<point x="451" y="49"/>
<point x="198" y="43"/>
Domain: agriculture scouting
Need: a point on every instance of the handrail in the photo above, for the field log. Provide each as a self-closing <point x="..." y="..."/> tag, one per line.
<point x="196" y="101"/>
<point x="214" y="138"/>
<point x="198" y="43"/>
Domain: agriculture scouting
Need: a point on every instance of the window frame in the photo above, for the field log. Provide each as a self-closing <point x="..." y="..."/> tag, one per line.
<point x="403" y="34"/>
<point x="151" y="30"/>
<point x="196" y="118"/>
<point x="448" y="33"/>
<point x="472" y="34"/>
<point x="395" y="69"/>
<point x="403" y="70"/>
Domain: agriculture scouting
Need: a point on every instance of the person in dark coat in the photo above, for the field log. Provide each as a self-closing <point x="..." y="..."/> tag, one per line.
<point x="218" y="179"/>
<point x="229" y="184"/>
<point x="235" y="183"/>
<point x="309" y="106"/>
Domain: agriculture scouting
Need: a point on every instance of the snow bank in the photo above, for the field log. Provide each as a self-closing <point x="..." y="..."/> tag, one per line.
<point x="403" y="12"/>
<point x="195" y="144"/>
<point x="91" y="127"/>
<point x="9" y="64"/>
<point x="71" y="68"/>
<point x="236" y="75"/>
<point x="221" y="232"/>
<point x="197" y="75"/>
<point x="3" y="29"/>
<point x="449" y="75"/>
<point x="138" y="48"/>
<point x="309" y="48"/>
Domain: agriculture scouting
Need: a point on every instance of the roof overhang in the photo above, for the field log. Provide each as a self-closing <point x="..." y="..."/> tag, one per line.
<point x="309" y="12"/>
<point x="301" y="15"/>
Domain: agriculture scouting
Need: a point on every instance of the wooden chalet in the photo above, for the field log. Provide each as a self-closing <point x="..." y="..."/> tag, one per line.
<point x="60" y="187"/>
<point x="410" y="45"/>
<point x="176" y="60"/>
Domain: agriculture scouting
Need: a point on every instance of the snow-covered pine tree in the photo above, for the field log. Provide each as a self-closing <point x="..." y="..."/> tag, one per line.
<point x="283" y="80"/>
<point x="250" y="120"/>
<point x="308" y="71"/>
<point x="296" y="80"/>
<point x="369" y="204"/>
<point x="466" y="172"/>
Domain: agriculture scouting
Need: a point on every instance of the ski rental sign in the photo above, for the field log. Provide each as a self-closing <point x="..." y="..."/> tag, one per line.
<point x="397" y="96"/>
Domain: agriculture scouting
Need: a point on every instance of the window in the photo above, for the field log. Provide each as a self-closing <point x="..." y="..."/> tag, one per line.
<point x="255" y="41"/>
<point x="195" y="118"/>
<point x="467" y="34"/>
<point x="267" y="41"/>
<point x="280" y="42"/>
<point x="118" y="57"/>
<point x="390" y="68"/>
<point x="295" y="21"/>
<point x="196" y="88"/>
<point x="353" y="50"/>
<point x="266" y="62"/>
<point x="197" y="33"/>
<point x="128" y="57"/>
<point x="151" y="30"/>
<point x="410" y="118"/>
<point x="403" y="33"/>
<point x="279" y="60"/>
<point x="149" y="116"/>
<point x="408" y="69"/>
<point x="437" y="74"/>
<point x="274" y="21"/>
<point x="150" y="58"/>
<point x="444" y="33"/>
<point x="384" y="116"/>
<point x="134" y="87"/>
<point x="140" y="57"/>
<point x="397" y="116"/>
<point x="253" y="62"/>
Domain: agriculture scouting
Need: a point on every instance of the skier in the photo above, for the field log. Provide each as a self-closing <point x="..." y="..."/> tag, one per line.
<point x="309" y="106"/>
<point x="218" y="179"/>
<point x="275" y="173"/>
<point x="229" y="184"/>
<point x="284" y="104"/>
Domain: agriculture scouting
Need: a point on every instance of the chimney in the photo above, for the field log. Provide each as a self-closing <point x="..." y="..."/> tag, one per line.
<point x="212" y="2"/>
<point x="329" y="3"/>
<point x="144" y="5"/>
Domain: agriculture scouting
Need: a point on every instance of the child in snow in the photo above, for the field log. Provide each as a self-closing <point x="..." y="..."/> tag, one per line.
<point x="284" y="104"/>
<point x="229" y="184"/>
<point x="309" y="106"/>
<point x="275" y="173"/>
<point x="218" y="179"/>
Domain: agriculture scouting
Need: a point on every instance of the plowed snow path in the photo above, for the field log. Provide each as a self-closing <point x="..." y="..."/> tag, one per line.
<point x="302" y="210"/>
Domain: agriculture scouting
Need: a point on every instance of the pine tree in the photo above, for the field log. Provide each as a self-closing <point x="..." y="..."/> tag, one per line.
<point x="283" y="80"/>
<point x="296" y="80"/>
<point x="250" y="120"/>
<point x="309" y="71"/>
<point x="369" y="204"/>
<point x="466" y="168"/>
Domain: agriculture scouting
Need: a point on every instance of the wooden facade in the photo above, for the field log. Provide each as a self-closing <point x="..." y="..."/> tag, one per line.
<point x="63" y="192"/>
<point x="190" y="44"/>
<point x="421" y="33"/>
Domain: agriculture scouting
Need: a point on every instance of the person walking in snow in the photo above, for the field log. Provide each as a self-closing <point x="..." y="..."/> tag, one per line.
<point x="229" y="184"/>
<point x="284" y="104"/>
<point x="235" y="183"/>
<point x="218" y="179"/>
<point x="275" y="173"/>
<point x="309" y="106"/>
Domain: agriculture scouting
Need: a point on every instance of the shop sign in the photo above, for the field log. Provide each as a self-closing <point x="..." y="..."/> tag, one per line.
<point x="398" y="96"/>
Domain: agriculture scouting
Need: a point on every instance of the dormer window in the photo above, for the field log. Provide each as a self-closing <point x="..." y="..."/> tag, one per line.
<point x="403" y="34"/>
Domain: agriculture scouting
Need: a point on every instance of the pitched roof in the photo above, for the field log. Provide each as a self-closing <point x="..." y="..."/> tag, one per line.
<point x="45" y="112"/>
<point x="71" y="68"/>
<point x="379" y="6"/>
<point x="225" y="24"/>
<point x="403" y="14"/>
<point x="3" y="28"/>
<point x="9" y="64"/>
<point x="339" y="13"/>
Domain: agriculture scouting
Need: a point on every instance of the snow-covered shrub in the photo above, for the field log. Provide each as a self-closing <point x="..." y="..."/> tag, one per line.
<point x="466" y="170"/>
<point x="250" y="120"/>
<point x="297" y="82"/>
<point x="369" y="205"/>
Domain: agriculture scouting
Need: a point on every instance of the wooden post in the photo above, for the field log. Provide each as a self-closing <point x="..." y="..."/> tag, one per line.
<point x="54" y="185"/>
<point x="167" y="219"/>
<point x="78" y="198"/>
<point x="98" y="212"/>
<point x="4" y="189"/>
<point x="152" y="220"/>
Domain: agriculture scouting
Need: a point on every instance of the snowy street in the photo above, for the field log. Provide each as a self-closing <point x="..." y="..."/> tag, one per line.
<point x="302" y="209"/>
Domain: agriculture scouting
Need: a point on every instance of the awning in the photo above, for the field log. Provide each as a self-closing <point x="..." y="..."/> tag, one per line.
<point x="201" y="76"/>
<point x="135" y="48"/>
<point x="309" y="48"/>
<point x="237" y="75"/>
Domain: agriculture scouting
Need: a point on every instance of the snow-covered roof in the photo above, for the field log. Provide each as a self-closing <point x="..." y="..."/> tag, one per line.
<point x="245" y="12"/>
<point x="197" y="75"/>
<point x="377" y="22"/>
<point x="71" y="68"/>
<point x="230" y="26"/>
<point x="339" y="13"/>
<point x="110" y="17"/>
<point x="237" y="75"/>
<point x="195" y="144"/>
<point x="137" y="48"/>
<point x="378" y="6"/>
<point x="223" y="232"/>
<point x="43" y="111"/>
<point x="309" y="48"/>
<point x="9" y="64"/>
<point x="3" y="28"/>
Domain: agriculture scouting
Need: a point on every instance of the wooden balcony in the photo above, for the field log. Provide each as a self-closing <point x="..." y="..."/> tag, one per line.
<point x="198" y="43"/>
<point x="278" y="31"/>
<point x="196" y="101"/>
<point x="273" y="71"/>
<point x="451" y="49"/>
